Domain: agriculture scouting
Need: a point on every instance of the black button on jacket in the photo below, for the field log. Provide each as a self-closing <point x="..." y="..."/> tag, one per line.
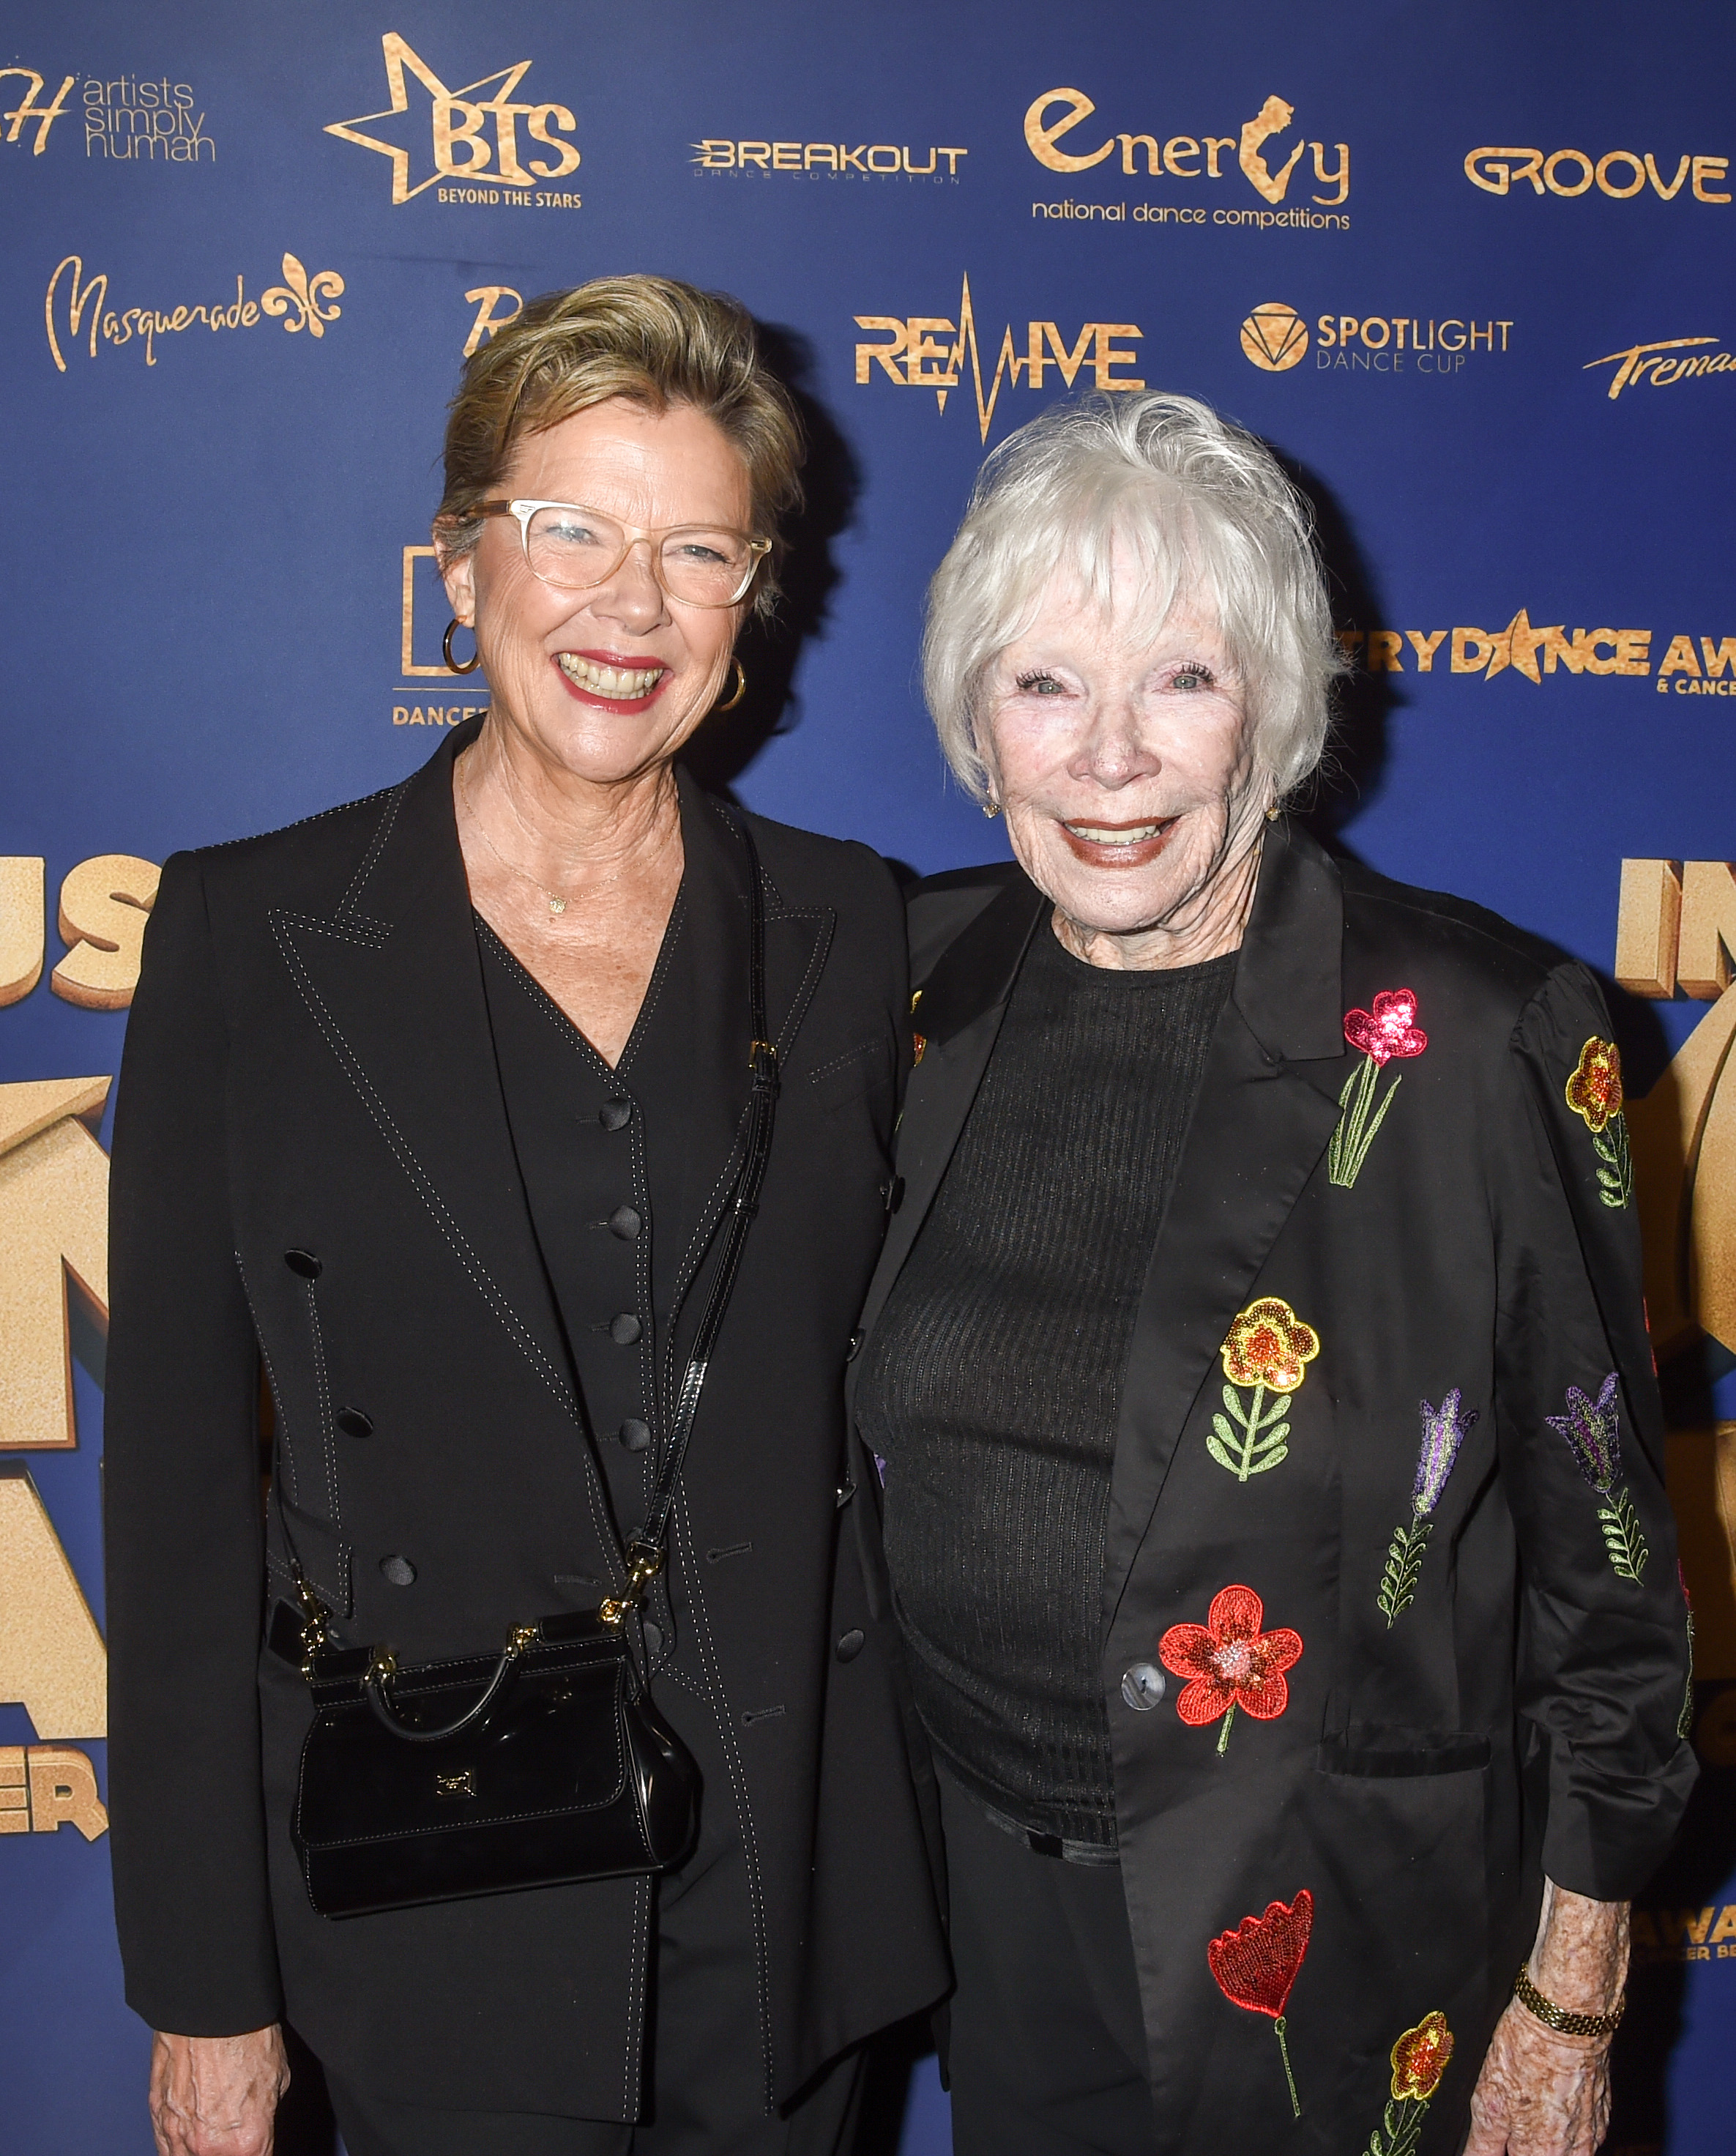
<point x="309" y="1068"/>
<point x="1387" y="1489"/>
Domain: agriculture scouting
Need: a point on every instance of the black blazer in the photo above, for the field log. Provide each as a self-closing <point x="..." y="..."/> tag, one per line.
<point x="309" y="1067"/>
<point x="1481" y="1693"/>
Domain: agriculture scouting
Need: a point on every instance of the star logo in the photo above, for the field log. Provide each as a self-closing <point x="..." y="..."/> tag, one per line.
<point x="457" y="119"/>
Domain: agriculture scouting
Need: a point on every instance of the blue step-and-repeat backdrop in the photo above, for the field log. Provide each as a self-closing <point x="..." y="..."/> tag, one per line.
<point x="1468" y="266"/>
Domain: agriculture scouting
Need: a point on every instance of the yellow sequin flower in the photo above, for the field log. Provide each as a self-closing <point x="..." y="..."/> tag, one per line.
<point x="1420" y="2057"/>
<point x="1595" y="1090"/>
<point x="1269" y="1345"/>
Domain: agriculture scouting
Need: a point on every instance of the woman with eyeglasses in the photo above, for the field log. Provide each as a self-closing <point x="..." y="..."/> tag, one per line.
<point x="504" y="1155"/>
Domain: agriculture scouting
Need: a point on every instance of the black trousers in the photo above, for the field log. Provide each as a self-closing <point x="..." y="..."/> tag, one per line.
<point x="1047" y="2050"/>
<point x="704" y="2068"/>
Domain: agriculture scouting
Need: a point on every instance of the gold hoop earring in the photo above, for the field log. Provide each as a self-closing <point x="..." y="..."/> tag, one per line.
<point x="452" y="665"/>
<point x="741" y="690"/>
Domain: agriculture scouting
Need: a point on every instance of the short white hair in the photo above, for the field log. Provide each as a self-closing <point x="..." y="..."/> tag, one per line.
<point x="1208" y="514"/>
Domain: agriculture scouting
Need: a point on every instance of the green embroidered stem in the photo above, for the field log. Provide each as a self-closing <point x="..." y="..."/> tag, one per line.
<point x="1404" y="1563"/>
<point x="1404" y="2129"/>
<point x="1355" y="1132"/>
<point x="1615" y="1176"/>
<point x="1223" y="1734"/>
<point x="1685" y="1720"/>
<point x="1257" y="1442"/>
<point x="1624" y="1537"/>
<point x="1284" y="2054"/>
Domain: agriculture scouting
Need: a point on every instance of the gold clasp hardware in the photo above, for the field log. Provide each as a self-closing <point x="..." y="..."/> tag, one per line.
<point x="315" y="1621"/>
<point x="384" y="1664"/>
<point x="753" y="1053"/>
<point x="644" y="1563"/>
<point x="526" y="1635"/>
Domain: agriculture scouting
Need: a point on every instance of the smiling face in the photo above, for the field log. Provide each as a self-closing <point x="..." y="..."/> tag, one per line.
<point x="606" y="683"/>
<point x="1123" y="764"/>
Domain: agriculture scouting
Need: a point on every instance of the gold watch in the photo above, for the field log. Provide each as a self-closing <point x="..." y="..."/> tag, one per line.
<point x="1558" y="2018"/>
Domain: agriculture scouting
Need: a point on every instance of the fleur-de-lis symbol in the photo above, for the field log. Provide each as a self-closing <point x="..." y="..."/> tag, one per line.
<point x="304" y="294"/>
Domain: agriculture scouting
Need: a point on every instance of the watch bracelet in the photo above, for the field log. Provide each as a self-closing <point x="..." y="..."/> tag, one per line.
<point x="1558" y="2018"/>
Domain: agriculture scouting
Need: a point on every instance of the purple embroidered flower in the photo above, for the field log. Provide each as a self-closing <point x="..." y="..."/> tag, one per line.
<point x="1593" y="1429"/>
<point x="1443" y="1432"/>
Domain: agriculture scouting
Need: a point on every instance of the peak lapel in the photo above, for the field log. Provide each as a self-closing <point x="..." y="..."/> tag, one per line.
<point x="393" y="980"/>
<point x="1266" y="1112"/>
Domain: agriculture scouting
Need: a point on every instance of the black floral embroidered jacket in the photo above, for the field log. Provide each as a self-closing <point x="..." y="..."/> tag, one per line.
<point x="1392" y="1623"/>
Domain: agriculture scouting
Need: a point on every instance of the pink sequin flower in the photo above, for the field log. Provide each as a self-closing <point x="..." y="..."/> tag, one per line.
<point x="1390" y="1029"/>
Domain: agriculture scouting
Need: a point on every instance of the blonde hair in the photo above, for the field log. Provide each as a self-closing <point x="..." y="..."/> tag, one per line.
<point x="650" y="339"/>
<point x="1203" y="507"/>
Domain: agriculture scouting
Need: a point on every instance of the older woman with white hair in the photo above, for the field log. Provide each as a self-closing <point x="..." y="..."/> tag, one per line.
<point x="1259" y="1378"/>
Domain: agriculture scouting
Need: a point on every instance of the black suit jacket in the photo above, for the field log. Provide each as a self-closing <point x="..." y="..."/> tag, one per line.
<point x="1523" y="1710"/>
<point x="309" y="1067"/>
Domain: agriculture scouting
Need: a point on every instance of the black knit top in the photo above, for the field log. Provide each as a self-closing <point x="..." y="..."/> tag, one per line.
<point x="993" y="1385"/>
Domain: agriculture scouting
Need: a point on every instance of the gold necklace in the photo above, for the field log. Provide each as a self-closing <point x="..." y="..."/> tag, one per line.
<point x="557" y="903"/>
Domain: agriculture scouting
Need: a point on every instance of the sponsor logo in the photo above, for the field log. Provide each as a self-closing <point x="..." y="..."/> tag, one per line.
<point x="1661" y="364"/>
<point x="1529" y="651"/>
<point x="133" y="119"/>
<point x="1251" y="151"/>
<point x="472" y="140"/>
<point x="1621" y="174"/>
<point x="870" y="160"/>
<point x="1662" y="1936"/>
<point x="489" y="301"/>
<point x="138" y="121"/>
<point x="301" y="302"/>
<point x="30" y="111"/>
<point x="54" y="1306"/>
<point x="1274" y="338"/>
<point x="928" y="351"/>
<point x="423" y="613"/>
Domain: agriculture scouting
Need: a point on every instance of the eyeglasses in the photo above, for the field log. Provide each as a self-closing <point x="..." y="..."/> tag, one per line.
<point x="574" y="549"/>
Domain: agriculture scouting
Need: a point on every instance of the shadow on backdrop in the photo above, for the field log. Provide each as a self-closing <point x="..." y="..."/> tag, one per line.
<point x="728" y="743"/>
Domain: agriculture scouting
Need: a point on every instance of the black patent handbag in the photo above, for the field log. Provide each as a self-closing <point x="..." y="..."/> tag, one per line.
<point x="545" y="1763"/>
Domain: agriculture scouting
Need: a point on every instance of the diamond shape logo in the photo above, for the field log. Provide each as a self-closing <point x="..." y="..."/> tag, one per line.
<point x="1274" y="337"/>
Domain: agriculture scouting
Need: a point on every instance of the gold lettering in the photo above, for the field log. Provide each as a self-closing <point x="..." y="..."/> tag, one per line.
<point x="484" y="298"/>
<point x="541" y="118"/>
<point x="52" y="1660"/>
<point x="885" y="354"/>
<point x="1708" y="929"/>
<point x="105" y="903"/>
<point x="1426" y="647"/>
<point x="1473" y="649"/>
<point x="1214" y="143"/>
<point x="1716" y="661"/>
<point x="1494" y="170"/>
<point x="1680" y="658"/>
<point x="1339" y="177"/>
<point x="54" y="1242"/>
<point x="1709" y="168"/>
<point x="1105" y="356"/>
<point x="1174" y="150"/>
<point x="1648" y="924"/>
<point x="1154" y="156"/>
<point x="23" y="932"/>
<point x="1041" y="140"/>
<point x="1384" y="647"/>
<point x="63" y="1792"/>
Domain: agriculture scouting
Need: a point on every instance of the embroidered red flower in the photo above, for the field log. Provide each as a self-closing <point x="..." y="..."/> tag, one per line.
<point x="1257" y="1964"/>
<point x="1420" y="2057"/>
<point x="1268" y="1345"/>
<point x="1390" y="1029"/>
<point x="1594" y="1090"/>
<point x="1231" y="1662"/>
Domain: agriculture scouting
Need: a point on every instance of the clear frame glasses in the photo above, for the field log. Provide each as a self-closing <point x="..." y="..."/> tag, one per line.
<point x="574" y="549"/>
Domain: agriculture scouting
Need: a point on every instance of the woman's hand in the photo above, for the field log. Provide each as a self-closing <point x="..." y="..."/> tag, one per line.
<point x="1539" y="2093"/>
<point x="217" y="2096"/>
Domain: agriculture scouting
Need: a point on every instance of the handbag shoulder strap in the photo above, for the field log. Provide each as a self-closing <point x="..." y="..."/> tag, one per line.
<point x="646" y="1553"/>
